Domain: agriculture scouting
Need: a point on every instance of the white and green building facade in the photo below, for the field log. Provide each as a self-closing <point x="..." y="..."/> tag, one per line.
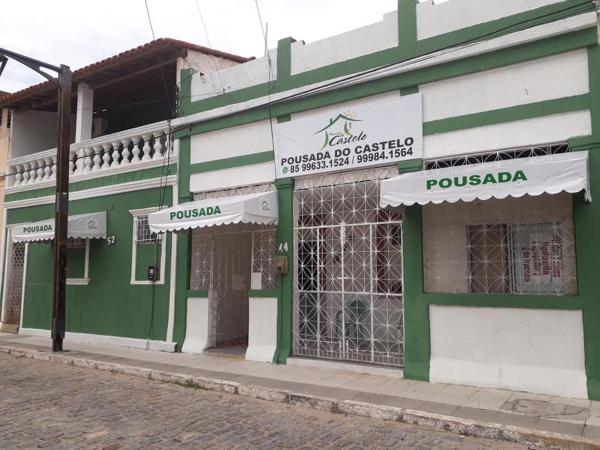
<point x="123" y="166"/>
<point x="416" y="194"/>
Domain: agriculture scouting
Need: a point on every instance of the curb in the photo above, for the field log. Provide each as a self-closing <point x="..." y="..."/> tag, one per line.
<point x="440" y="422"/>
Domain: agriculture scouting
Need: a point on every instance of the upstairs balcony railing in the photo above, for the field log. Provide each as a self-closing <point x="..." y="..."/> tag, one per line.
<point x="124" y="151"/>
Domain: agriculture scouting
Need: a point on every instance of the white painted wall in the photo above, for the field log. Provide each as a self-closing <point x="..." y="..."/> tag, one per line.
<point x="262" y="329"/>
<point x="532" y="350"/>
<point x="201" y="62"/>
<point x="33" y="132"/>
<point x="555" y="77"/>
<point x="520" y="133"/>
<point x="358" y="42"/>
<point x="197" y="325"/>
<point x="230" y="142"/>
<point x="234" y="78"/>
<point x="101" y="339"/>
<point x="234" y="177"/>
<point x="434" y="19"/>
<point x="335" y="108"/>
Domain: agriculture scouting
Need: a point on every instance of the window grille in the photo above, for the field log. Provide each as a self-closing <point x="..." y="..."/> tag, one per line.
<point x="148" y="249"/>
<point x="503" y="155"/>
<point x="512" y="246"/>
<point x="143" y="234"/>
<point x="264" y="248"/>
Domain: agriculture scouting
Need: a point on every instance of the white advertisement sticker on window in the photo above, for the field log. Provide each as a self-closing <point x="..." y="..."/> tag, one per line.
<point x="371" y="134"/>
<point x="538" y="258"/>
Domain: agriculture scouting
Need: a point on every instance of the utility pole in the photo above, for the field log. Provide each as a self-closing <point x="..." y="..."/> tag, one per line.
<point x="62" y="208"/>
<point x="62" y="185"/>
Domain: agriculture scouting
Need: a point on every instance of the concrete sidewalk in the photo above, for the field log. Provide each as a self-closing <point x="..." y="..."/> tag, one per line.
<point x="537" y="420"/>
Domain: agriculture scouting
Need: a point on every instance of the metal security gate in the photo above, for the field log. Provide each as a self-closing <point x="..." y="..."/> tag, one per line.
<point x="349" y="292"/>
<point x="227" y="262"/>
<point x="13" y="290"/>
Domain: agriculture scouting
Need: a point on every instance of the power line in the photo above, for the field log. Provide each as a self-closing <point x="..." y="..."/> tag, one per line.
<point x="270" y="85"/>
<point x="210" y="46"/>
<point x="149" y="20"/>
<point x="556" y="15"/>
<point x="262" y="28"/>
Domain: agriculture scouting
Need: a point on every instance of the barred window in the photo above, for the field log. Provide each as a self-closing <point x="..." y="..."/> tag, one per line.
<point x="78" y="252"/>
<point x="502" y="155"/>
<point x="511" y="246"/>
<point x="143" y="233"/>
<point x="148" y="249"/>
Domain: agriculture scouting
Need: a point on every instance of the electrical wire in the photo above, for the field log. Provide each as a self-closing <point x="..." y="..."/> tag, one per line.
<point x="553" y="16"/>
<point x="149" y="20"/>
<point x="213" y="59"/>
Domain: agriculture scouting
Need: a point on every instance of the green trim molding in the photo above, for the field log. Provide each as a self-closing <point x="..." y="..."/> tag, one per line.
<point x="408" y="48"/>
<point x="263" y="293"/>
<point x="408" y="82"/>
<point x="285" y="282"/>
<point x="236" y="161"/>
<point x="196" y="293"/>
<point x="510" y="114"/>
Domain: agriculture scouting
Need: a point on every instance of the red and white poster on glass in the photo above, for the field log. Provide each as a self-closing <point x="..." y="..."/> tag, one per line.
<point x="538" y="259"/>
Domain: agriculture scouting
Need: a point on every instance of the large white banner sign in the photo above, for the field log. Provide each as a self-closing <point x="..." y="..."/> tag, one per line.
<point x="370" y="134"/>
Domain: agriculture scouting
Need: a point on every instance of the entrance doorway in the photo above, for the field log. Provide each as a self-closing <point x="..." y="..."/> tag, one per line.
<point x="228" y="262"/>
<point x="13" y="285"/>
<point x="349" y="292"/>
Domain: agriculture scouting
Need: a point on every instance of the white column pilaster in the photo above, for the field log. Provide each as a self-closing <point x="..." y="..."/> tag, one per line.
<point x="85" y="112"/>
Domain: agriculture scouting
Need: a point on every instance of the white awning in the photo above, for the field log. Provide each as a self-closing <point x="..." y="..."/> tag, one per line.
<point x="537" y="175"/>
<point x="259" y="208"/>
<point x="85" y="226"/>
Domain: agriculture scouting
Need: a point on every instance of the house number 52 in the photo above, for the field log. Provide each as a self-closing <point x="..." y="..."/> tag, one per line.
<point x="110" y="240"/>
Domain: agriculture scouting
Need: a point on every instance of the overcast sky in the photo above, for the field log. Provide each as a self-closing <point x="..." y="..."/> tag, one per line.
<point x="80" y="32"/>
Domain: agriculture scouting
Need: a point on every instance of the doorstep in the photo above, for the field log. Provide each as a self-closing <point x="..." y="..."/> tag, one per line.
<point x="345" y="366"/>
<point x="537" y="420"/>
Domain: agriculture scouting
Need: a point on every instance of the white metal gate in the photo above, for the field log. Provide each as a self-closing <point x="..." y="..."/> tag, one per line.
<point x="13" y="291"/>
<point x="348" y="295"/>
<point x="224" y="262"/>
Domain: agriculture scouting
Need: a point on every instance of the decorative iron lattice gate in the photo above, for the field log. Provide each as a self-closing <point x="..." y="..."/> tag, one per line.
<point x="226" y="262"/>
<point x="14" y="283"/>
<point x="349" y="286"/>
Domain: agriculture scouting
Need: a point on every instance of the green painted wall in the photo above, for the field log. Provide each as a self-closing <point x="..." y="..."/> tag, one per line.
<point x="285" y="282"/>
<point x="109" y="305"/>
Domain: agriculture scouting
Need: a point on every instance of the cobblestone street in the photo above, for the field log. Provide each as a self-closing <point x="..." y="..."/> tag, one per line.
<point x="47" y="405"/>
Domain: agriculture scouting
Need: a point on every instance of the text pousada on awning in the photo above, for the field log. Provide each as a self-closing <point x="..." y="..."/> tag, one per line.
<point x="550" y="174"/>
<point x="258" y="208"/>
<point x="84" y="226"/>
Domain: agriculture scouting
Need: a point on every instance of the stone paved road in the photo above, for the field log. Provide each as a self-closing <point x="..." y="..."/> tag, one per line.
<point x="48" y="405"/>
